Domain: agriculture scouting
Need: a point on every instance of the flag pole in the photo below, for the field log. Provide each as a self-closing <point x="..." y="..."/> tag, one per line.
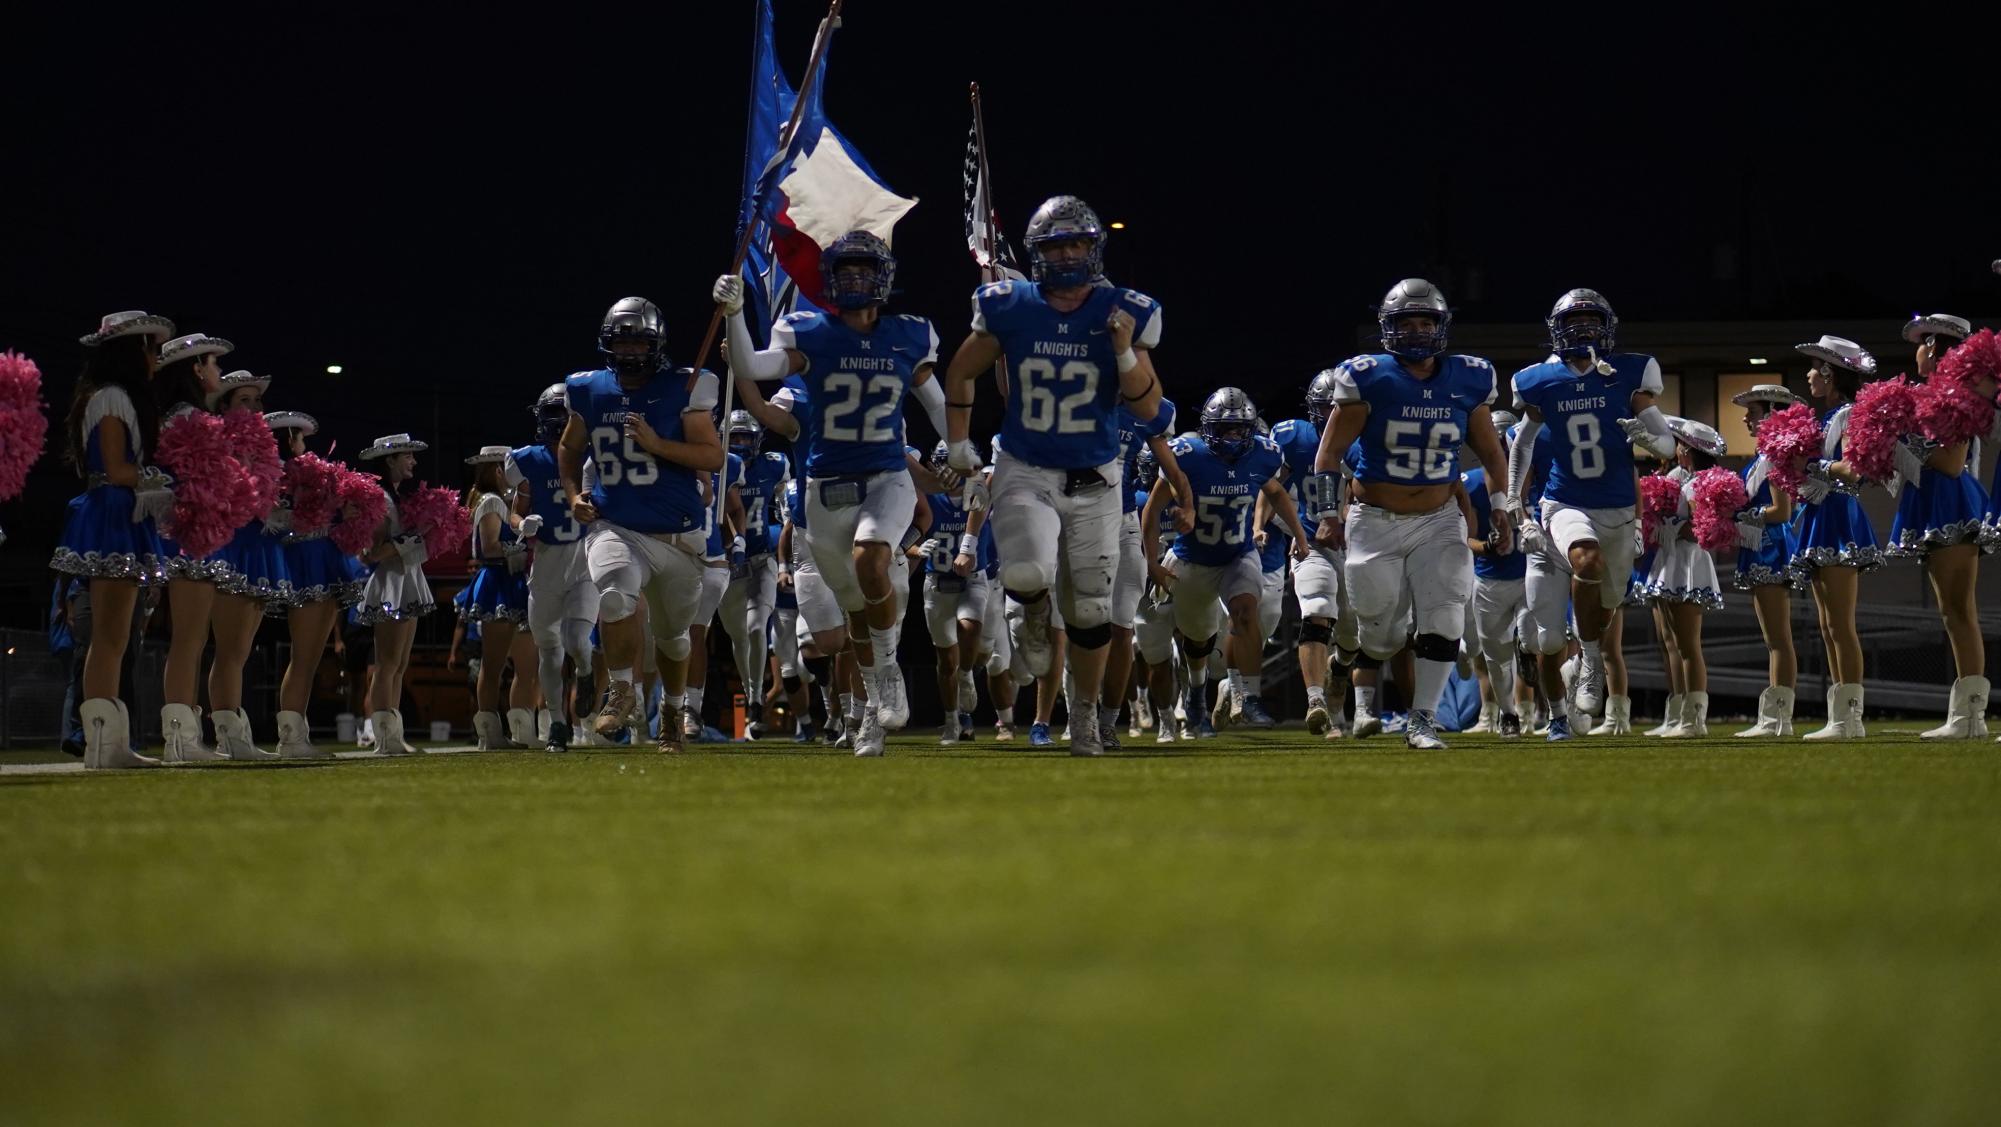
<point x="993" y="266"/>
<point x="820" y="45"/>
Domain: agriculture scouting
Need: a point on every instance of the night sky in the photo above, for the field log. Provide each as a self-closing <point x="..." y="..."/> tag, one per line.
<point x="446" y="209"/>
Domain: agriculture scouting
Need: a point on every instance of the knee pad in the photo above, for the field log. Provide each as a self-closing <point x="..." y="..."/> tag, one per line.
<point x="1202" y="648"/>
<point x="675" y="648"/>
<point x="616" y="606"/>
<point x="1435" y="647"/>
<point x="1025" y="575"/>
<point x="821" y="669"/>
<point x="1315" y="633"/>
<point x="1089" y="612"/>
<point x="1367" y="663"/>
<point x="792" y="684"/>
<point x="1092" y="637"/>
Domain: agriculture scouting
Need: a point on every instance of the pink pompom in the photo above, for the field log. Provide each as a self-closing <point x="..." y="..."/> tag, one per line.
<point x="1660" y="498"/>
<point x="208" y="482"/>
<point x="1972" y="360"/>
<point x="1884" y="412"/>
<point x="363" y="505"/>
<point x="1717" y="496"/>
<point x="435" y="513"/>
<point x="23" y="427"/>
<point x="1787" y="439"/>
<point x="309" y="480"/>
<point x="256" y="450"/>
<point x="1949" y="412"/>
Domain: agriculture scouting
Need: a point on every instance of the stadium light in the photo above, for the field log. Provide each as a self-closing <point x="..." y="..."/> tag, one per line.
<point x="1759" y="360"/>
<point x="334" y="369"/>
<point x="1118" y="226"/>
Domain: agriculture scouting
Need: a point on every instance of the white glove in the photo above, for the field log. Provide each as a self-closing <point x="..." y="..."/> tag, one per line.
<point x="279" y="521"/>
<point x="411" y="551"/>
<point x="964" y="457"/>
<point x="977" y="496"/>
<point x="153" y="497"/>
<point x="1528" y="536"/>
<point x="516" y="555"/>
<point x="1750" y="534"/>
<point x="728" y="292"/>
<point x="530" y="525"/>
<point x="1668" y="530"/>
<point x="950" y="478"/>
<point x="1815" y="487"/>
<point x="1637" y="432"/>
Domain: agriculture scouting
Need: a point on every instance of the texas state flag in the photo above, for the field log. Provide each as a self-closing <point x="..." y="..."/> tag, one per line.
<point x="809" y="191"/>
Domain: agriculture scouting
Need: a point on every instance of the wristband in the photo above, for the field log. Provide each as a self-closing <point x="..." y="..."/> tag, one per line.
<point x="969" y="545"/>
<point x="1128" y="360"/>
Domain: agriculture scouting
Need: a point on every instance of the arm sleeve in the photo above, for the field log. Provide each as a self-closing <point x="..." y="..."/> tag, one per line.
<point x="932" y="396"/>
<point x="1521" y="456"/>
<point x="511" y="473"/>
<point x="1661" y="438"/>
<point x="759" y="364"/>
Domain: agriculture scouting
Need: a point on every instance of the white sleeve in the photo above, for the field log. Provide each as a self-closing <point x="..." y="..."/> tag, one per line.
<point x="1493" y="387"/>
<point x="930" y="345"/>
<point x="113" y="403"/>
<point x="979" y="317"/>
<point x="931" y="394"/>
<point x="1837" y="429"/>
<point x="1345" y="390"/>
<point x="786" y="400"/>
<point x="1650" y="380"/>
<point x="1657" y="428"/>
<point x="490" y="504"/>
<point x="1521" y="459"/>
<point x="511" y="473"/>
<point x="1149" y="333"/>
<point x="703" y="398"/>
<point x="746" y="359"/>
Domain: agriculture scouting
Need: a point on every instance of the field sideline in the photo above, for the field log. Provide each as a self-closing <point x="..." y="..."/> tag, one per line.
<point x="1266" y="929"/>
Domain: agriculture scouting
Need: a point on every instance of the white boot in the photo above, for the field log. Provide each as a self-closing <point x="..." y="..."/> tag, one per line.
<point x="232" y="733"/>
<point x="486" y="730"/>
<point x="1490" y="714"/>
<point x="521" y="728"/>
<point x="1670" y="718"/>
<point x="1775" y="714"/>
<point x="543" y="718"/>
<point x="389" y="734"/>
<point x="1694" y="719"/>
<point x="1967" y="705"/>
<point x="366" y="738"/>
<point x="180" y="726"/>
<point x="1618" y="718"/>
<point x="1844" y="714"/>
<point x="295" y="738"/>
<point x="107" y="736"/>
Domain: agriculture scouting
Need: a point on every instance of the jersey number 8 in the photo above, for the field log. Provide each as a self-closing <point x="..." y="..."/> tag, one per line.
<point x="1587" y="457"/>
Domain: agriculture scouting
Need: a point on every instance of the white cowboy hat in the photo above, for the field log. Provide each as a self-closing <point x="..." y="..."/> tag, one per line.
<point x="192" y="345"/>
<point x="127" y="323"/>
<point x="490" y="454"/>
<point x="393" y="444"/>
<point x="1841" y="353"/>
<point x="1698" y="436"/>
<point x="230" y="381"/>
<point x="279" y="420"/>
<point x="1937" y="325"/>
<point x="1765" y="393"/>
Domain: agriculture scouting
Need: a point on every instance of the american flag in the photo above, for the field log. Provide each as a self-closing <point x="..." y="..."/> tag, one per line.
<point x="980" y="211"/>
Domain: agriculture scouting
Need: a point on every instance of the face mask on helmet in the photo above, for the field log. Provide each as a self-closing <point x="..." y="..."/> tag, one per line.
<point x="857" y="271"/>
<point x="743" y="442"/>
<point x="1581" y="331"/>
<point x="549" y="422"/>
<point x="1414" y="336"/>
<point x="1066" y="243"/>
<point x="633" y="338"/>
<point x="1228" y="439"/>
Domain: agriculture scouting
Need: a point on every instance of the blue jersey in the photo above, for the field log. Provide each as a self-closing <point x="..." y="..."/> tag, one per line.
<point x="1592" y="464"/>
<point x="1133" y="434"/>
<point x="1514" y="565"/>
<point x="1225" y="494"/>
<point x="795" y="509"/>
<point x="1539" y="467"/>
<point x="1299" y="441"/>
<point x="855" y="384"/>
<point x="634" y="489"/>
<point x="1165" y="520"/>
<point x="1415" y="426"/>
<point x="1063" y="398"/>
<point x="948" y="523"/>
<point x="535" y="466"/>
<point x="988" y="551"/>
<point x="732" y="475"/>
<point x="1278" y="547"/>
<point x="762" y="478"/>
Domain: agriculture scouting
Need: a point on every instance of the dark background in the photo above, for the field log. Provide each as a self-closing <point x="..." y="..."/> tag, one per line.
<point x="446" y="208"/>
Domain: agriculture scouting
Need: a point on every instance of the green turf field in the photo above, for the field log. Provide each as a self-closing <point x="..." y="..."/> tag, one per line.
<point x="1248" y="931"/>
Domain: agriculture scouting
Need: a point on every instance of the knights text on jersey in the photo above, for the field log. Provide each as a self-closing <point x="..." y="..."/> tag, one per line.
<point x="1064" y="394"/>
<point x="1415" y="426"/>
<point x="1299" y="441"/>
<point x="949" y="521"/>
<point x="634" y="489"/>
<point x="1134" y="434"/>
<point x="761" y="480"/>
<point x="1593" y="461"/>
<point x="536" y="466"/>
<point x="1226" y="495"/>
<point x="855" y="385"/>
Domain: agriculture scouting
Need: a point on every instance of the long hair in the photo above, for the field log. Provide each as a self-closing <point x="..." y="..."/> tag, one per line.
<point x="486" y="478"/>
<point x="1699" y="460"/>
<point x="1846" y="382"/>
<point x="121" y="363"/>
<point x="397" y="490"/>
<point x="177" y="383"/>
